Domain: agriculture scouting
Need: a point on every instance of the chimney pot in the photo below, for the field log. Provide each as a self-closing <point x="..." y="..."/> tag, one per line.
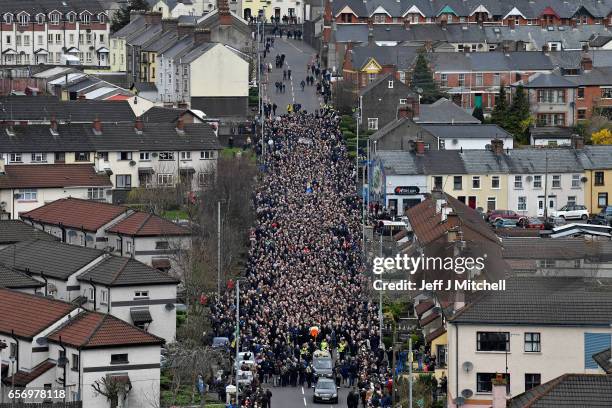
<point x="82" y="96"/>
<point x="180" y="124"/>
<point x="202" y="36"/>
<point x="53" y="123"/>
<point x="497" y="146"/>
<point x="139" y="125"/>
<point x="97" y="125"/>
<point x="420" y="147"/>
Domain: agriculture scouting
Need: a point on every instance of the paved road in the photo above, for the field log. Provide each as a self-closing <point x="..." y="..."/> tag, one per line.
<point x="298" y="397"/>
<point x="297" y="55"/>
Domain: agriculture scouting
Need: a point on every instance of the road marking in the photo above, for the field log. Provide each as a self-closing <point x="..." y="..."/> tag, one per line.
<point x="287" y="42"/>
<point x="302" y="390"/>
<point x="305" y="402"/>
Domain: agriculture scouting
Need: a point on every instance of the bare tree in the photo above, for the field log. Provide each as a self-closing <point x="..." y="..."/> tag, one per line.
<point x="111" y="388"/>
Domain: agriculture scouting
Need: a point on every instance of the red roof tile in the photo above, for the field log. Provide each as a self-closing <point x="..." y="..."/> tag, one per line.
<point x="23" y="378"/>
<point x="423" y="307"/>
<point x="147" y="225"/>
<point x="435" y="334"/>
<point x="430" y="318"/>
<point x="52" y="175"/>
<point x="27" y="315"/>
<point x="91" y="330"/>
<point x="76" y="213"/>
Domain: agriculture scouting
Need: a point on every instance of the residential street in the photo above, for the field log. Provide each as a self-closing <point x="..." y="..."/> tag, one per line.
<point x="296" y="397"/>
<point x="297" y="55"/>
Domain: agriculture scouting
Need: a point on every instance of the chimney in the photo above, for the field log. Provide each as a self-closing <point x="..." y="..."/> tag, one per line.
<point x="404" y="112"/>
<point x="497" y="147"/>
<point x="586" y="63"/>
<point x="180" y="125"/>
<point x="135" y="14"/>
<point x="225" y="17"/>
<point x="153" y="17"/>
<point x="420" y="147"/>
<point x="577" y="142"/>
<point x="201" y="36"/>
<point x="443" y="24"/>
<point x="97" y="126"/>
<point x="53" y="125"/>
<point x="184" y="29"/>
<point x="585" y="47"/>
<point x="545" y="49"/>
<point x="169" y="24"/>
<point x="499" y="391"/>
<point x="81" y="97"/>
<point x="511" y="23"/>
<point x="453" y="234"/>
<point x="138" y="125"/>
<point x="506" y="49"/>
<point x="416" y="108"/>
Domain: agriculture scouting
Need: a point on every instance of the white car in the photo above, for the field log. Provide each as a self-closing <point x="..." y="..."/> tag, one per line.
<point x="245" y="358"/>
<point x="569" y="212"/>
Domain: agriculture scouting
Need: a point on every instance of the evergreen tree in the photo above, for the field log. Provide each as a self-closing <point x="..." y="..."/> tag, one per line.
<point x="122" y="16"/>
<point x="478" y="114"/>
<point x="519" y="118"/>
<point x="500" y="110"/>
<point x="422" y="78"/>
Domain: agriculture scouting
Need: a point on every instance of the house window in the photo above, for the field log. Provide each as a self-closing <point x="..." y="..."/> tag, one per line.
<point x="128" y="247"/>
<point x="518" y="182"/>
<point x="580" y="93"/>
<point x="162" y="245"/>
<point x="551" y="96"/>
<point x="599" y="178"/>
<point x="119" y="359"/>
<point x="27" y="194"/>
<point x="444" y="80"/>
<point x="204" y="178"/>
<point x="602" y="200"/>
<point x="8" y="18"/>
<point x="372" y="77"/>
<point x="437" y="182"/>
<point x="547" y="263"/>
<point x="476" y="182"/>
<point x="24" y="19"/>
<point x="163" y="156"/>
<point x="75" y="362"/>
<point x="123" y="181"/>
<point x="581" y="114"/>
<point x="103" y="156"/>
<point x="81" y="156"/>
<point x="461" y="80"/>
<point x="85" y="18"/>
<point x="484" y="382"/>
<point x="165" y="179"/>
<point x="496" y="79"/>
<point x="556" y="181"/>
<point x="522" y="203"/>
<point x="185" y="155"/>
<point x="571" y="201"/>
<point x="95" y="193"/>
<point x="551" y="119"/>
<point x="495" y="182"/>
<point x="55" y="18"/>
<point x="532" y="342"/>
<point x="125" y="155"/>
<point x="575" y="180"/>
<point x="207" y="154"/>
<point x="16" y="158"/>
<point x="104" y="294"/>
<point x="145" y="156"/>
<point x="390" y="84"/>
<point x="479" y="79"/>
<point x="372" y="123"/>
<point x="606" y="93"/>
<point x="532" y="381"/>
<point x="493" y="341"/>
<point x="458" y="183"/>
<point x="26" y="40"/>
<point x="537" y="181"/>
<point x="141" y="294"/>
<point x="403" y="101"/>
<point x="58" y="38"/>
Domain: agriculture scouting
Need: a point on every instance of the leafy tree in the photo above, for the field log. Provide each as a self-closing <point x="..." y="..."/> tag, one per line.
<point x="519" y="118"/>
<point x="478" y="114"/>
<point x="122" y="16"/>
<point x="500" y="110"/>
<point x="602" y="136"/>
<point x="422" y="78"/>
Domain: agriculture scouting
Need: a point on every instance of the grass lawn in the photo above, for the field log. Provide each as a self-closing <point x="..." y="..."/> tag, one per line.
<point x="175" y="214"/>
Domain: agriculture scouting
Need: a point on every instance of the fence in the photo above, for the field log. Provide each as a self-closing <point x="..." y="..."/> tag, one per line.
<point x="74" y="404"/>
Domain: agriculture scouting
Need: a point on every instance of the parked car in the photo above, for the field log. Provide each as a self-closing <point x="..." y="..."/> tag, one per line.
<point x="604" y="217"/>
<point x="220" y="342"/>
<point x="531" y="223"/>
<point x="505" y="223"/>
<point x="325" y="391"/>
<point x="494" y="215"/>
<point x="571" y="212"/>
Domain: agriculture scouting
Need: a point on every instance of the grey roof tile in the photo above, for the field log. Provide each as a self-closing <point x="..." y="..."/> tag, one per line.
<point x="546" y="80"/>
<point x="466" y="131"/>
<point x="12" y="231"/>
<point x="604" y="360"/>
<point x="119" y="271"/>
<point x="444" y="111"/>
<point x="12" y="279"/>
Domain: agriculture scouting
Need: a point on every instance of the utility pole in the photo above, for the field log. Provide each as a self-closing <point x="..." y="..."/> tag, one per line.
<point x="259" y="76"/>
<point x="237" y="339"/>
<point x="363" y="215"/>
<point x="394" y="361"/>
<point x="410" y="372"/>
<point x="218" y="249"/>
<point x="357" y="147"/>
<point x="546" y="187"/>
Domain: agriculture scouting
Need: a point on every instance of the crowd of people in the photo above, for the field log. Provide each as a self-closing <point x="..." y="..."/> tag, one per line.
<point x="305" y="268"/>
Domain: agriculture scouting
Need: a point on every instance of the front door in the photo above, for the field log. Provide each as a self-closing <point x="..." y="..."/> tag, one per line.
<point x="478" y="101"/>
<point x="541" y="206"/>
<point x="472" y="202"/>
<point x="552" y="203"/>
<point x="277" y="13"/>
<point x="393" y="206"/>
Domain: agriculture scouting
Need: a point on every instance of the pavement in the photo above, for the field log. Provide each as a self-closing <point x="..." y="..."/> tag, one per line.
<point x="298" y="397"/>
<point x="297" y="56"/>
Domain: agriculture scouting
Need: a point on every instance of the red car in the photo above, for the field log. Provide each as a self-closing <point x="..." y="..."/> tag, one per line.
<point x="531" y="223"/>
<point x="495" y="215"/>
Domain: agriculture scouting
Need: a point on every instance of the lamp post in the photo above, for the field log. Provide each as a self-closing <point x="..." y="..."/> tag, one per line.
<point x="218" y="250"/>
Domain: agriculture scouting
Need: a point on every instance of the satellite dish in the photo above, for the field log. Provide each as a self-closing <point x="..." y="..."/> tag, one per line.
<point x="467" y="366"/>
<point x="41" y="341"/>
<point x="459" y="401"/>
<point x="467" y="393"/>
<point x="169" y="306"/>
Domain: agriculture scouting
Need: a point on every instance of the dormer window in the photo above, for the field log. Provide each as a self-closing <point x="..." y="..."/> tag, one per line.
<point x="54" y="18"/>
<point x="85" y="18"/>
<point x="102" y="18"/>
<point x="380" y="18"/>
<point x="71" y="17"/>
<point x="40" y="18"/>
<point x="24" y="19"/>
<point x="8" y="18"/>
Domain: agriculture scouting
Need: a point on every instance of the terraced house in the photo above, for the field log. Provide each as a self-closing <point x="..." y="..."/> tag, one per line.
<point x="73" y="32"/>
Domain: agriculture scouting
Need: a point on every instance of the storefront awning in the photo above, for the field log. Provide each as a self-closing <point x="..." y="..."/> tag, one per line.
<point x="140" y="316"/>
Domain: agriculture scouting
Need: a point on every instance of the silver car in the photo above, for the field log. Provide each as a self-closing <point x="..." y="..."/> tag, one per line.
<point x="325" y="391"/>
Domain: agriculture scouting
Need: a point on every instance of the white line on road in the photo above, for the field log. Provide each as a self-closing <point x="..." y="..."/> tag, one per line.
<point x="302" y="390"/>
<point x="287" y="42"/>
<point x="305" y="402"/>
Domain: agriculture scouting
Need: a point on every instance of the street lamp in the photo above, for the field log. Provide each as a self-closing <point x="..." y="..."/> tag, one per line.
<point x="237" y="338"/>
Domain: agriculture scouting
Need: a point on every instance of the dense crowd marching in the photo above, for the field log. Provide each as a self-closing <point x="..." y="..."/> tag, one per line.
<point x="305" y="266"/>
